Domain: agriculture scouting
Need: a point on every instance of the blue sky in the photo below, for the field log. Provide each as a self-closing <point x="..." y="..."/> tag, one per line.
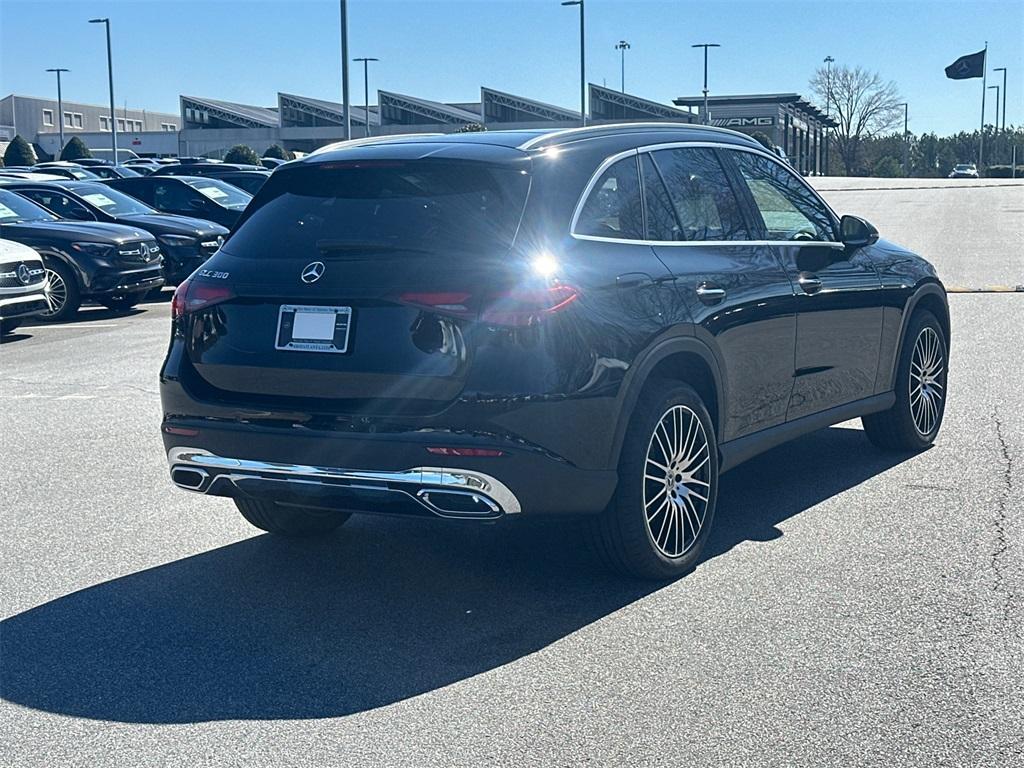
<point x="246" y="51"/>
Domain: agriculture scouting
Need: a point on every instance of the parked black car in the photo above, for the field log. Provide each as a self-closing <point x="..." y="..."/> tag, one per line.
<point x="114" y="171"/>
<point x="596" y="321"/>
<point x="22" y="285"/>
<point x="185" y="242"/>
<point x="204" y="169"/>
<point x="248" y="181"/>
<point x="108" y="263"/>
<point x="204" y="198"/>
<point x="65" y="169"/>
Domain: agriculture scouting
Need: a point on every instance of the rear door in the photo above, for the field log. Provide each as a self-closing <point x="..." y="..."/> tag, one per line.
<point x="839" y="310"/>
<point x="739" y="297"/>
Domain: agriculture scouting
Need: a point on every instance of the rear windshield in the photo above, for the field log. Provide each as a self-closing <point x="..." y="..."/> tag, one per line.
<point x="437" y="206"/>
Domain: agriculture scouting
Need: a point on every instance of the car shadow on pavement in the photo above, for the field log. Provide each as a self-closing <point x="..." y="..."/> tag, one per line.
<point x="386" y="610"/>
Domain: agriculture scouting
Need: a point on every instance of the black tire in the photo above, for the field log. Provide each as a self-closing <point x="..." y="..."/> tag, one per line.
<point x="624" y="534"/>
<point x="8" y="326"/>
<point x="62" y="292"/>
<point x="123" y="303"/>
<point x="898" y="429"/>
<point x="287" y="520"/>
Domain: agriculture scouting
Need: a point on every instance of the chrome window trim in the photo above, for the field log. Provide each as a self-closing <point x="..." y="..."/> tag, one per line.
<point x="608" y="161"/>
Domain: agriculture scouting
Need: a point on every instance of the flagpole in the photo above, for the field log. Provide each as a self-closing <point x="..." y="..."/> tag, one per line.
<point x="984" y="90"/>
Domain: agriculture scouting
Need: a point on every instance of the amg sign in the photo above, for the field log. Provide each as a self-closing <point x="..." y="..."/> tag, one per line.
<point x="744" y="122"/>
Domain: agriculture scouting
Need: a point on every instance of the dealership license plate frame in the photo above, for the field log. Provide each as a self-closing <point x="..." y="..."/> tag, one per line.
<point x="287" y="316"/>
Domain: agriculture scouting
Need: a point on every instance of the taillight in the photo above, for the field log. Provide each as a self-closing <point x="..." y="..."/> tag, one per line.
<point x="528" y="307"/>
<point x="191" y="297"/>
<point x="510" y="308"/>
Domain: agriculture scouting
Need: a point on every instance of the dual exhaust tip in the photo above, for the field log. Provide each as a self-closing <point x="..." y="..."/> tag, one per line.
<point x="440" y="501"/>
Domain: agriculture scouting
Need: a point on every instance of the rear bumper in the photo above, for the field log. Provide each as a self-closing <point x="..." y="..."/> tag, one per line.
<point x="378" y="472"/>
<point x="444" y="492"/>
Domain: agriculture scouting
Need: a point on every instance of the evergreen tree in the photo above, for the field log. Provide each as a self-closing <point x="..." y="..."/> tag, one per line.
<point x="19" y="152"/>
<point x="242" y="153"/>
<point x="75" y="150"/>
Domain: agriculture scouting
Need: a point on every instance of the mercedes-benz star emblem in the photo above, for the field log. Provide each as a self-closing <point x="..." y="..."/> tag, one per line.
<point x="313" y="272"/>
<point x="24" y="275"/>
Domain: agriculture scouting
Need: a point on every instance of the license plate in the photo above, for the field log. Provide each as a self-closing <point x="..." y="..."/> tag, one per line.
<point x="302" y="328"/>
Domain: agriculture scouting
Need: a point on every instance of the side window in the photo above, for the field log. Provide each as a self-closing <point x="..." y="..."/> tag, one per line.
<point x="132" y="187"/>
<point x="60" y="204"/>
<point x="704" y="201"/>
<point x="662" y="223"/>
<point x="170" y="196"/>
<point x="789" y="209"/>
<point x="613" y="208"/>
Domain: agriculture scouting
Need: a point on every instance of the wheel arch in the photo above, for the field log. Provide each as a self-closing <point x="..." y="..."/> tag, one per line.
<point x="930" y="296"/>
<point x="49" y="252"/>
<point x="683" y="359"/>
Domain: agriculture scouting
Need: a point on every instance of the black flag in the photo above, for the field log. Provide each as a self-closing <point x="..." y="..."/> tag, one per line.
<point x="971" y="65"/>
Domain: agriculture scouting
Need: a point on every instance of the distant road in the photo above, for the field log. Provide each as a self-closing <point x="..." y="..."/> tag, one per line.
<point x="972" y="230"/>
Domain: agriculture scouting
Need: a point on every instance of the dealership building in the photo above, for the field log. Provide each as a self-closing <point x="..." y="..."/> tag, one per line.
<point x="209" y="127"/>
<point x="796" y="126"/>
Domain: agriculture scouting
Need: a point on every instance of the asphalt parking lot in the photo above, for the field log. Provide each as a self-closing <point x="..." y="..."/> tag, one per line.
<point x="852" y="607"/>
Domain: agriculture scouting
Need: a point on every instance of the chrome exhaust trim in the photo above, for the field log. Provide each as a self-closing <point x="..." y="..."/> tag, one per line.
<point x="444" y="491"/>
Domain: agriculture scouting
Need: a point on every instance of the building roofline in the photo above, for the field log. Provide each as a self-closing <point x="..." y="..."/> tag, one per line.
<point x="87" y="104"/>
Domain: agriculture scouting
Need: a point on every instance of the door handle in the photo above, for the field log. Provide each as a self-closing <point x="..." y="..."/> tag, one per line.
<point x="709" y="293"/>
<point x="809" y="282"/>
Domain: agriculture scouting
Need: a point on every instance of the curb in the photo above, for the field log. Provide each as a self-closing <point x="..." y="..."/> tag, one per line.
<point x="986" y="289"/>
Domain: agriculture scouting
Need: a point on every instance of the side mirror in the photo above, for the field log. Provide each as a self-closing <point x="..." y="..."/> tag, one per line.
<point x="857" y="233"/>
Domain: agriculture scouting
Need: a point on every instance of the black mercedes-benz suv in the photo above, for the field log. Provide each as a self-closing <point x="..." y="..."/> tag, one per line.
<point x="108" y="263"/>
<point x="597" y="321"/>
<point x="185" y="242"/>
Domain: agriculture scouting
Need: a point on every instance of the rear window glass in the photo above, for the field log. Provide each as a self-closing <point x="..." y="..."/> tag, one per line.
<point x="436" y="206"/>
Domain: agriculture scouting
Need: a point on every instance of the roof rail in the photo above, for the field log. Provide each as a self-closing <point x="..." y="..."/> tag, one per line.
<point x="368" y="140"/>
<point x="597" y="130"/>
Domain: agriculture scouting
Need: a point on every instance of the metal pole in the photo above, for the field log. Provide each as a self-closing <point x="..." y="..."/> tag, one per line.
<point x="984" y="90"/>
<point x="997" y="105"/>
<point x="705" y="46"/>
<point x="1005" y="94"/>
<point x="366" y="89"/>
<point x="828" y="103"/>
<point x="906" y="144"/>
<point x="110" y="78"/>
<point x="583" y="69"/>
<point x="60" y="108"/>
<point x="622" y="46"/>
<point x="583" y="62"/>
<point x="344" y="71"/>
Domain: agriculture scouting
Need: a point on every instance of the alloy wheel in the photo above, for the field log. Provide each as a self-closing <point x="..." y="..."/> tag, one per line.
<point x="677" y="481"/>
<point x="56" y="293"/>
<point x="926" y="381"/>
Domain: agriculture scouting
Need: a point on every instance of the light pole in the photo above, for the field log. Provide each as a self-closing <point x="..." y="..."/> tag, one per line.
<point x="366" y="90"/>
<point x="347" y="121"/>
<point x="623" y="46"/>
<point x="110" y="78"/>
<point x="997" y="106"/>
<point x="705" y="46"/>
<point x="60" y="108"/>
<point x="583" y="62"/>
<point x="906" y="144"/>
<point x="828" y="102"/>
<point x="1005" y="94"/>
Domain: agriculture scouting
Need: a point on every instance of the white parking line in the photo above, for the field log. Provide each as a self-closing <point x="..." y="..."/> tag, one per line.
<point x="79" y="325"/>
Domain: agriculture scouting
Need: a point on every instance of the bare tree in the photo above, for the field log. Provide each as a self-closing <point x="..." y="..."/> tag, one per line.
<point x="863" y="105"/>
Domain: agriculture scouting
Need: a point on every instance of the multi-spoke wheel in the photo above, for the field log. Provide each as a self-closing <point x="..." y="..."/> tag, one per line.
<point x="62" y="296"/>
<point x="927" y="366"/>
<point x="676" y="481"/>
<point x="920" y="386"/>
<point x="668" y="481"/>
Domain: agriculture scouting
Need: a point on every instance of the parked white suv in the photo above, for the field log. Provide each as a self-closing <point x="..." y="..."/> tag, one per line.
<point x="22" y="285"/>
<point x="963" y="171"/>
